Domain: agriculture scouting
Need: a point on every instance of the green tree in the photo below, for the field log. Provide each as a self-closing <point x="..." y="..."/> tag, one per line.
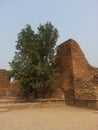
<point x="34" y="60"/>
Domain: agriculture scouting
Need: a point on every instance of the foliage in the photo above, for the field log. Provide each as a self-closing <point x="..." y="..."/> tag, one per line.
<point x="34" y="61"/>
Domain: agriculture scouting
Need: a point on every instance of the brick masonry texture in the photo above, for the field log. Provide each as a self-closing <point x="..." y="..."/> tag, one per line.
<point x="76" y="78"/>
<point x="4" y="84"/>
<point x="77" y="81"/>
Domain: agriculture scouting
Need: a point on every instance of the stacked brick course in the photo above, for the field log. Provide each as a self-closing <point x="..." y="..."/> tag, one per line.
<point x="65" y="78"/>
<point x="83" y="73"/>
<point x="77" y="82"/>
<point x="75" y="79"/>
<point x="4" y="84"/>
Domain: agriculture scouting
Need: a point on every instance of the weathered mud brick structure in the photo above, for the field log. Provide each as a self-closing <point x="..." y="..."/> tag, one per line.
<point x="9" y="89"/>
<point x="4" y="84"/>
<point x="78" y="81"/>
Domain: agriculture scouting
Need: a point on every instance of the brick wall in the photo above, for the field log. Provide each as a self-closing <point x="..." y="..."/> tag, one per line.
<point x="84" y="89"/>
<point x="4" y="84"/>
<point x="77" y="81"/>
<point x="15" y="89"/>
<point x="65" y="78"/>
<point x="76" y="75"/>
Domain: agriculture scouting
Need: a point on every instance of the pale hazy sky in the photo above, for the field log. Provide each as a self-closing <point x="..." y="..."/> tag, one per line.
<point x="76" y="19"/>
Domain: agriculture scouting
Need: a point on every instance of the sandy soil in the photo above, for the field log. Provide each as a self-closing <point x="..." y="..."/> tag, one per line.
<point x="54" y="118"/>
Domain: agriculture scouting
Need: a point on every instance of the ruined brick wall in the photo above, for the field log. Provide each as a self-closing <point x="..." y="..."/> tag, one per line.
<point x="65" y="82"/>
<point x="15" y="89"/>
<point x="4" y="84"/>
<point x="76" y="75"/>
<point x="84" y="89"/>
<point x="75" y="82"/>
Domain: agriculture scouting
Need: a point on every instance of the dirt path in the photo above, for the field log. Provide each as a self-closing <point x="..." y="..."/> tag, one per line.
<point x="54" y="118"/>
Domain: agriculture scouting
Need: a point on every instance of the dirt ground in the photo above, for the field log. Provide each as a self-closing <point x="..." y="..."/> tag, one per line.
<point x="53" y="118"/>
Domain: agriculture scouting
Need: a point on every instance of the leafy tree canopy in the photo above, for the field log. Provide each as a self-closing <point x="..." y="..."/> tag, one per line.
<point x="34" y="60"/>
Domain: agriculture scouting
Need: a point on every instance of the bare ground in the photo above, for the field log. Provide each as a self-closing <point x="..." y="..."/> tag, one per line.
<point x="50" y="118"/>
